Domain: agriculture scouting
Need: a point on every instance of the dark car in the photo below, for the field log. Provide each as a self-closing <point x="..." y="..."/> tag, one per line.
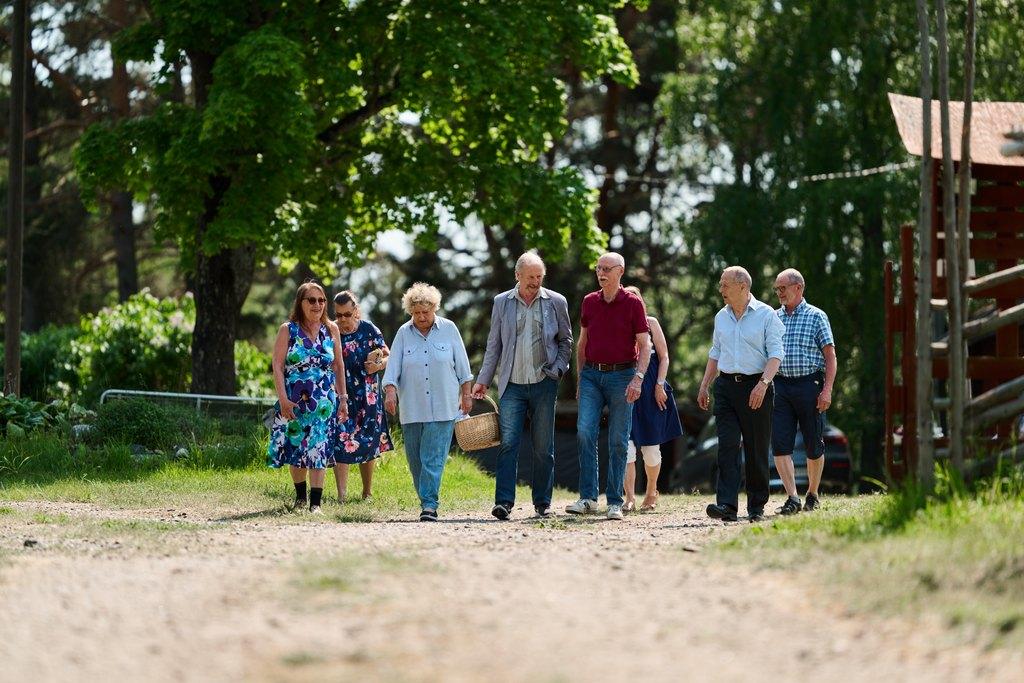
<point x="698" y="470"/>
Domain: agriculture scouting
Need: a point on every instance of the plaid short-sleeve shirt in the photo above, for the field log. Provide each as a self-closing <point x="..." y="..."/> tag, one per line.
<point x="807" y="333"/>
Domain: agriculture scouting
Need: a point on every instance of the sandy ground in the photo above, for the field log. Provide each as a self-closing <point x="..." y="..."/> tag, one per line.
<point x="166" y="595"/>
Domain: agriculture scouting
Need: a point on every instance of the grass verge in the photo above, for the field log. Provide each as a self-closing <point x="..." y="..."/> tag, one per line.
<point x="956" y="555"/>
<point x="225" y="477"/>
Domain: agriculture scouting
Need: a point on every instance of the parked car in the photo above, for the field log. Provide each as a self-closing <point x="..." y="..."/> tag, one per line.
<point x="698" y="470"/>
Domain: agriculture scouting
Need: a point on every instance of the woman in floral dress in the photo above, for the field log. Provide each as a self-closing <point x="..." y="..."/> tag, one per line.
<point x="310" y="393"/>
<point x="363" y="437"/>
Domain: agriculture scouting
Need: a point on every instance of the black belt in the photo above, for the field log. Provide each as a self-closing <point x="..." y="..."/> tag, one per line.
<point x="737" y="377"/>
<point x="610" y="367"/>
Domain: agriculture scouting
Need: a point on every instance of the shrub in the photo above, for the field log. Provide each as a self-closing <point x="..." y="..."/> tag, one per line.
<point x="136" y="422"/>
<point x="19" y="416"/>
<point x="142" y="343"/>
<point x="252" y="367"/>
<point x="48" y="366"/>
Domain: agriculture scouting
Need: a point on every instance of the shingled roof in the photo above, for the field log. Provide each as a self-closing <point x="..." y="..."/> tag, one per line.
<point x="990" y="121"/>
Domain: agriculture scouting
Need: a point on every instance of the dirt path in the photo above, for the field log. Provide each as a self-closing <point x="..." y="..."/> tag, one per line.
<point x="154" y="595"/>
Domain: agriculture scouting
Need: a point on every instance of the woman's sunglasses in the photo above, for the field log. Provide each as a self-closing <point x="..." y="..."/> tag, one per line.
<point x="314" y="300"/>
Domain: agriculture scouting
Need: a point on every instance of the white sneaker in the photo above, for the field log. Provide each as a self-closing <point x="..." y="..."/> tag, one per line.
<point x="582" y="506"/>
<point x="614" y="512"/>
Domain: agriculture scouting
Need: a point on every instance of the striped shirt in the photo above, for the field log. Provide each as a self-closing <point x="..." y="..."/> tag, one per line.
<point x="807" y="333"/>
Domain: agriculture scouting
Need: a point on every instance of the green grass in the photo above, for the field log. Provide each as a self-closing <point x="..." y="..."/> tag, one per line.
<point x="957" y="554"/>
<point x="223" y="477"/>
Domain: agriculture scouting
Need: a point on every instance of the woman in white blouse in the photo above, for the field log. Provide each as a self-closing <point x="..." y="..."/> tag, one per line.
<point x="429" y="377"/>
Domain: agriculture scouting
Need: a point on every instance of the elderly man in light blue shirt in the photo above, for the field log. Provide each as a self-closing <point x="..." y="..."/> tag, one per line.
<point x="746" y="352"/>
<point x="528" y="351"/>
<point x="428" y="375"/>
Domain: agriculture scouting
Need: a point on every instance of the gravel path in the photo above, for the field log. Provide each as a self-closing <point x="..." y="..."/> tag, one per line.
<point x="115" y="595"/>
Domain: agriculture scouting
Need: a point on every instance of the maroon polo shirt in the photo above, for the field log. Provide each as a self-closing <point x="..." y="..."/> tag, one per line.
<point x="612" y="327"/>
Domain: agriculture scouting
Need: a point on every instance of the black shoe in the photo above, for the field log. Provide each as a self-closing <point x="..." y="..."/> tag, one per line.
<point x="790" y="507"/>
<point x="811" y="502"/>
<point x="756" y="516"/>
<point x="428" y="516"/>
<point x="299" y="505"/>
<point x="542" y="510"/>
<point x="501" y="510"/>
<point x="722" y="512"/>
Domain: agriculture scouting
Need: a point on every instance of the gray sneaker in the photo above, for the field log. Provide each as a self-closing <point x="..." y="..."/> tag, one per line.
<point x="614" y="512"/>
<point x="583" y="506"/>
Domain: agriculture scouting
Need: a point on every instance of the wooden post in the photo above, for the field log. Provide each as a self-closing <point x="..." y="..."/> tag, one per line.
<point x="964" y="216"/>
<point x="957" y="377"/>
<point x="15" y="201"/>
<point x="923" y="377"/>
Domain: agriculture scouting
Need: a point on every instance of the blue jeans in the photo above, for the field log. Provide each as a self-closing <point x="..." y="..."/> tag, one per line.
<point x="597" y="390"/>
<point x="539" y="401"/>
<point x="426" y="449"/>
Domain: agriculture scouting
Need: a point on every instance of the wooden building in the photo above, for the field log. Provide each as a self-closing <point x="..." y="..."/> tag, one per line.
<point x="993" y="330"/>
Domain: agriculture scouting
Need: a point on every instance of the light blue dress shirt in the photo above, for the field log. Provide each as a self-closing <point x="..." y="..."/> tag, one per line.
<point x="428" y="371"/>
<point x="744" y="346"/>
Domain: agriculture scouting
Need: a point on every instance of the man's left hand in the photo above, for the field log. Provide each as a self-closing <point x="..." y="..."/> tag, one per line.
<point x="633" y="390"/>
<point x="824" y="400"/>
<point x="757" y="396"/>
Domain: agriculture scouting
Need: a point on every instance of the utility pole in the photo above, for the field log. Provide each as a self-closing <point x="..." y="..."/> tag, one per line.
<point x="15" y="201"/>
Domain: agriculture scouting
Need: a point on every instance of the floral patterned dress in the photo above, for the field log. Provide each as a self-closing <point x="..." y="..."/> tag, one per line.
<point x="364" y="436"/>
<point x="308" y="440"/>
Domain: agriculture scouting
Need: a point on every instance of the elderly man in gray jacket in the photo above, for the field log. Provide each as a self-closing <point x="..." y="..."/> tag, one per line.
<point x="528" y="350"/>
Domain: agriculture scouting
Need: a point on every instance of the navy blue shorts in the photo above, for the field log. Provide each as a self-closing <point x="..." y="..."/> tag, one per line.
<point x="796" y="406"/>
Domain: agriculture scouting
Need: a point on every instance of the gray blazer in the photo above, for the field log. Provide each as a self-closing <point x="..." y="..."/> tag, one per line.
<point x="501" y="340"/>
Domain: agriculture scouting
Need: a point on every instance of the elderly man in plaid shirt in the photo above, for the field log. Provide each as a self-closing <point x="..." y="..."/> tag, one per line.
<point x="803" y="388"/>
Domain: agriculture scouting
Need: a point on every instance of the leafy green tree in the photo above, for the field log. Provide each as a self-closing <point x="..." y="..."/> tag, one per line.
<point x="308" y="127"/>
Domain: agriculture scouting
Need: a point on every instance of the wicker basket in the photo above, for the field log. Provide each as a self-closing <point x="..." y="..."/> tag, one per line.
<point x="477" y="432"/>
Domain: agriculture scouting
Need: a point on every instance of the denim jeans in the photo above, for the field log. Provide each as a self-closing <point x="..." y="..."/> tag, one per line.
<point x="597" y="390"/>
<point x="537" y="400"/>
<point x="426" y="449"/>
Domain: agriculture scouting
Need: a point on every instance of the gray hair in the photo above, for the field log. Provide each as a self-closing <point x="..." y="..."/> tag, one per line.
<point x="619" y="261"/>
<point x="530" y="258"/>
<point x="421" y="294"/>
<point x="793" y="276"/>
<point x="739" y="274"/>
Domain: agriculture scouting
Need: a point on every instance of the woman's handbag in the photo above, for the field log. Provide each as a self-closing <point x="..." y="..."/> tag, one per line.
<point x="476" y="432"/>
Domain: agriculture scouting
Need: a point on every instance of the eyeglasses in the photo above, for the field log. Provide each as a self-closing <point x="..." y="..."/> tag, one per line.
<point x="347" y="315"/>
<point x="782" y="288"/>
<point x="606" y="269"/>
<point x="314" y="300"/>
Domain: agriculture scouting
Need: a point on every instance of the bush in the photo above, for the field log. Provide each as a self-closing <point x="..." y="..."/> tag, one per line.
<point x="252" y="367"/>
<point x="136" y="422"/>
<point x="19" y="416"/>
<point x="48" y="366"/>
<point x="142" y="343"/>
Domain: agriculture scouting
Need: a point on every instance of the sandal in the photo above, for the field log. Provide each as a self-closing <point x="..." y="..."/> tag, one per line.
<point x="649" y="504"/>
<point x="629" y="506"/>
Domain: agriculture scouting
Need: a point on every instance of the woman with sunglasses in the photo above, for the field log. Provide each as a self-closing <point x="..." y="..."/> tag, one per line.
<point x="308" y="376"/>
<point x="363" y="437"/>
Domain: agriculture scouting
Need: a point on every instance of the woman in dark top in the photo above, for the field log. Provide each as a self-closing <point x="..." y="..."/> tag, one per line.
<point x="363" y="437"/>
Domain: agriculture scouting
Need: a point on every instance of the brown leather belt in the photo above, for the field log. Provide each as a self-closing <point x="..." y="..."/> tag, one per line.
<point x="609" y="367"/>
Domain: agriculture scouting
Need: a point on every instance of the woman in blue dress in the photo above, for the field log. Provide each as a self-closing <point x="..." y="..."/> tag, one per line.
<point x="363" y="437"/>
<point x="311" y="396"/>
<point x="655" y="421"/>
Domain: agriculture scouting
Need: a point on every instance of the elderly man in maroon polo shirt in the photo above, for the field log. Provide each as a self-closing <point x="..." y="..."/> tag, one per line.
<point x="612" y="356"/>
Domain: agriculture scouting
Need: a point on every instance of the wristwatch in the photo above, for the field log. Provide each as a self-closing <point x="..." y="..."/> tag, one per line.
<point x="766" y="382"/>
<point x="638" y="374"/>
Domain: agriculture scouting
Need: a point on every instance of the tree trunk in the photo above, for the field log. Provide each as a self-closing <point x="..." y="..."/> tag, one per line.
<point x="222" y="283"/>
<point x="222" y="279"/>
<point x="923" y="381"/>
<point x="123" y="227"/>
<point x="121" y="222"/>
